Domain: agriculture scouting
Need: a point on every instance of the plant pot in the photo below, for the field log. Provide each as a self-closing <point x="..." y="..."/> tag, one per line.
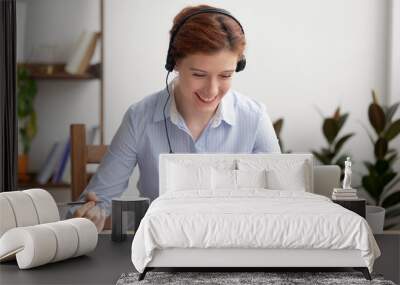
<point x="375" y="216"/>
<point x="23" y="168"/>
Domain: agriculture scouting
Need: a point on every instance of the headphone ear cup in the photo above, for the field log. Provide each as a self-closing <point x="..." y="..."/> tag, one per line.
<point x="170" y="64"/>
<point x="241" y="64"/>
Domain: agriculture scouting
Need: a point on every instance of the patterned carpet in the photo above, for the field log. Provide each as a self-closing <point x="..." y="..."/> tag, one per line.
<point x="230" y="278"/>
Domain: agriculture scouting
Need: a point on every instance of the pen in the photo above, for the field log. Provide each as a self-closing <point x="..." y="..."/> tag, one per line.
<point x="77" y="203"/>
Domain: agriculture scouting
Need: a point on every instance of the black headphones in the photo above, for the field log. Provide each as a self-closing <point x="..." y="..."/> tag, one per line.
<point x="170" y="64"/>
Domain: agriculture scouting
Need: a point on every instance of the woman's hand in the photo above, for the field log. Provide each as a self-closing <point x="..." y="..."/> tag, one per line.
<point x="92" y="212"/>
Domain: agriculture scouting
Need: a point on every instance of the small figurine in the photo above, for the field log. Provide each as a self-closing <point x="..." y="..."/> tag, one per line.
<point x="347" y="174"/>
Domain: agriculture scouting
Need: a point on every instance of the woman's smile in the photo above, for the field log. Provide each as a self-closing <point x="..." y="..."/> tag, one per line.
<point x="206" y="100"/>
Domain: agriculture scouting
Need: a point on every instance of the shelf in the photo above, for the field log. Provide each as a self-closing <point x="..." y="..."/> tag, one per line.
<point x="56" y="71"/>
<point x="32" y="183"/>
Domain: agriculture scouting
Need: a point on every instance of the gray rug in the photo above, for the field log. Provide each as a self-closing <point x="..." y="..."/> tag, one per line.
<point x="229" y="278"/>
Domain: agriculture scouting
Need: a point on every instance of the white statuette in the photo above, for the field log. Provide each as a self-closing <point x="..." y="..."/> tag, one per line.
<point x="347" y="174"/>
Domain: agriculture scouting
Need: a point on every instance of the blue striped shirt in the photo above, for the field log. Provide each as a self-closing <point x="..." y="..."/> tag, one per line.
<point x="240" y="125"/>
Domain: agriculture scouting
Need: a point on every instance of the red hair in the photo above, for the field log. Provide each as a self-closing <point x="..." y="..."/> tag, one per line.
<point x="206" y="33"/>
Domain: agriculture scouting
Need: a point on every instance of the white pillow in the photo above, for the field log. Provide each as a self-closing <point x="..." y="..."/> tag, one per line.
<point x="188" y="177"/>
<point x="251" y="178"/>
<point x="223" y="179"/>
<point x="293" y="179"/>
<point x="282" y="173"/>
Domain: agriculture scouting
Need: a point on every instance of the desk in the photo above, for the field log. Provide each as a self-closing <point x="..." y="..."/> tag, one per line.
<point x="104" y="265"/>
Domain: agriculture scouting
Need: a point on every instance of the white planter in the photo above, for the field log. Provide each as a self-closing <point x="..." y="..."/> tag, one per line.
<point x="375" y="216"/>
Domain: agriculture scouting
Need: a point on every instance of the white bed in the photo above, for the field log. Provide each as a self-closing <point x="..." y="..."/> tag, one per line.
<point x="201" y="223"/>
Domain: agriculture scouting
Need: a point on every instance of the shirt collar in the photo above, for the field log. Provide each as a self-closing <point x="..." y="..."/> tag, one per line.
<point x="225" y="111"/>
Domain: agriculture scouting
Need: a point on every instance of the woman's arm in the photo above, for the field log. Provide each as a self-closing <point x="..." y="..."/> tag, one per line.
<point x="112" y="176"/>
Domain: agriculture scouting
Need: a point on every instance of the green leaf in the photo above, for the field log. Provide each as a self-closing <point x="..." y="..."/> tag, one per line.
<point x="391" y="159"/>
<point x="341" y="141"/>
<point x="376" y="117"/>
<point x="369" y="166"/>
<point x="31" y="127"/>
<point x="370" y="184"/>
<point x="278" y="126"/>
<point x="343" y="120"/>
<point x="391" y="111"/>
<point x="381" y="148"/>
<point x="393" y="130"/>
<point x="381" y="166"/>
<point x="392" y="199"/>
<point x="386" y="179"/>
<point x="330" y="129"/>
<point x="323" y="159"/>
<point x="340" y="161"/>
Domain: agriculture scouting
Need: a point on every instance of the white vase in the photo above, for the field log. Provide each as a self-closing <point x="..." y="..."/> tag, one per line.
<point x="375" y="216"/>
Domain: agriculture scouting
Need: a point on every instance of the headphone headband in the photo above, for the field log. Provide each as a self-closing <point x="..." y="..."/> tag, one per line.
<point x="170" y="64"/>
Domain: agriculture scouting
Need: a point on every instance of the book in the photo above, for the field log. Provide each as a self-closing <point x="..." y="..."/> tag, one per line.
<point x="83" y="51"/>
<point x="85" y="62"/>
<point x="344" y="198"/>
<point x="49" y="164"/>
<point x="59" y="170"/>
<point x="336" y="196"/>
<point x="345" y="195"/>
<point x="340" y="190"/>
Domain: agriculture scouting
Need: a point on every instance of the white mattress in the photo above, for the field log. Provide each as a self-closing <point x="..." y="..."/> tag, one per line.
<point x="250" y="218"/>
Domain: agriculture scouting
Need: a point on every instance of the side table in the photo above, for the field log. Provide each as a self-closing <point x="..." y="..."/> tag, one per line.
<point x="120" y="208"/>
<point x="357" y="206"/>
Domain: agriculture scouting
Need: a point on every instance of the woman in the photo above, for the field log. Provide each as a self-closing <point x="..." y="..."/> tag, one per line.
<point x="198" y="112"/>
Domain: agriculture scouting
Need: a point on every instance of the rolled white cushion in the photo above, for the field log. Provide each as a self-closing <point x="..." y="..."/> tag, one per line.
<point x="34" y="245"/>
<point x="46" y="207"/>
<point x="40" y="244"/>
<point x="66" y="238"/>
<point x="23" y="208"/>
<point x="7" y="218"/>
<point x="87" y="235"/>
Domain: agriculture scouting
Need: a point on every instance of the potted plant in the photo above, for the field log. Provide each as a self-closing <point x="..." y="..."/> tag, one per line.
<point x="331" y="127"/>
<point x="381" y="180"/>
<point x="278" y="124"/>
<point x="27" y="124"/>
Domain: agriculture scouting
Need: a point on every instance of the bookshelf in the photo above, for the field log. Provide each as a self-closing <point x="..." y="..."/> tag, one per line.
<point x="32" y="183"/>
<point x="55" y="72"/>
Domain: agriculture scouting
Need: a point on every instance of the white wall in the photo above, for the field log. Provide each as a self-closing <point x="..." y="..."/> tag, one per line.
<point x="394" y="64"/>
<point x="301" y="55"/>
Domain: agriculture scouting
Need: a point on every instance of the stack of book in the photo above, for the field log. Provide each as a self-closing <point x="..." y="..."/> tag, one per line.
<point x="344" y="194"/>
